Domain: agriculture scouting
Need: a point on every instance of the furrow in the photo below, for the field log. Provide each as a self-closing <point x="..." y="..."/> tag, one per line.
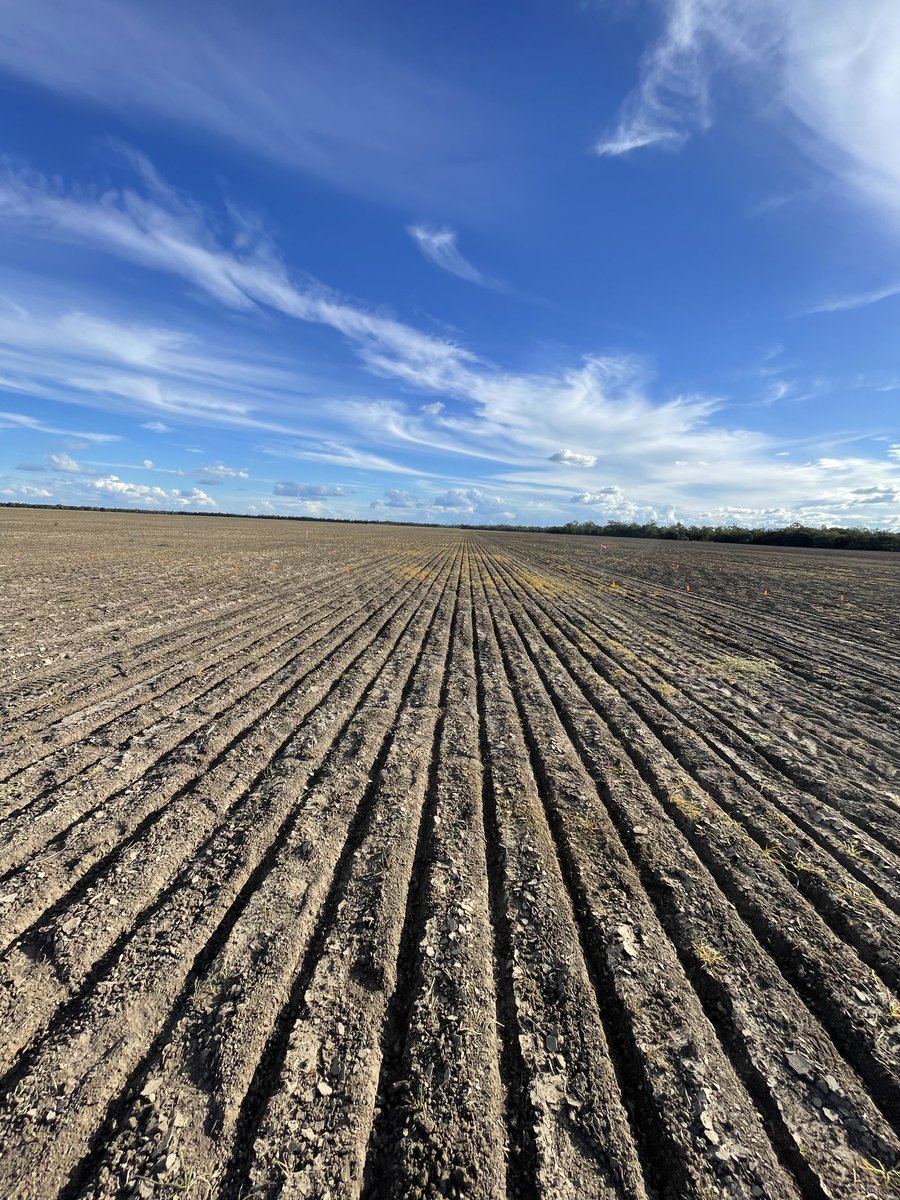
<point x="848" y="905"/>
<point x="51" y="958"/>
<point x="440" y="1098"/>
<point x="325" y="1066"/>
<point x="816" y="1108"/>
<point x="81" y="1058"/>
<point x="570" y="1127"/>
<point x="191" y="1096"/>
<point x="694" y="1112"/>
<point x="108" y="796"/>
<point x="685" y="664"/>
<point x="99" y="719"/>
<point x="852" y="1003"/>
<point x="749" y="635"/>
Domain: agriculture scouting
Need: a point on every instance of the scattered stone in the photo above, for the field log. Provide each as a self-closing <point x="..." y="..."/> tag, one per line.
<point x="800" y="1064"/>
<point x="626" y="937"/>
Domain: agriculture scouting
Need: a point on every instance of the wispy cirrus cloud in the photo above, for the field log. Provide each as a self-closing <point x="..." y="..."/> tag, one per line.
<point x="290" y="86"/>
<point x="857" y="299"/>
<point x="439" y="247"/>
<point x="830" y="73"/>
<point x="508" y="422"/>
<point x="13" y="420"/>
<point x="159" y="229"/>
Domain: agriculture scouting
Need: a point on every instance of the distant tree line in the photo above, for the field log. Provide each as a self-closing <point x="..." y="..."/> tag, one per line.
<point x="823" y="537"/>
<point x="819" y="537"/>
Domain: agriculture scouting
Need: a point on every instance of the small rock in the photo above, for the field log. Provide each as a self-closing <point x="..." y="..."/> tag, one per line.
<point x="626" y="937"/>
<point x="800" y="1064"/>
<point x="323" y="1088"/>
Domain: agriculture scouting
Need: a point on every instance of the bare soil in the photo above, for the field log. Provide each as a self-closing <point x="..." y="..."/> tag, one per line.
<point x="346" y="861"/>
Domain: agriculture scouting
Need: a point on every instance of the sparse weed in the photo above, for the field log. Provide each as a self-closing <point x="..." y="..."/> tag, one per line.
<point x="728" y="664"/>
<point x="805" y="867"/>
<point x="851" y="890"/>
<point x="888" y="1176"/>
<point x="9" y="793"/>
<point x="773" y="856"/>
<point x="711" y="959"/>
<point x="858" y="854"/>
<point x="190" y="1185"/>
<point x="689" y="807"/>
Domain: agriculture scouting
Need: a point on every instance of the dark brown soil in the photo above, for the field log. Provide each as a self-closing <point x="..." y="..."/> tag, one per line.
<point x="364" y="862"/>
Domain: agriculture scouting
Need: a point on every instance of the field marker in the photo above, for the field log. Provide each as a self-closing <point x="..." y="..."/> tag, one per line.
<point x="613" y="584"/>
<point x="765" y="591"/>
<point x="687" y="587"/>
<point x="841" y="598"/>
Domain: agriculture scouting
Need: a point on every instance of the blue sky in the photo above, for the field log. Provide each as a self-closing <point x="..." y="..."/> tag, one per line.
<point x="530" y="262"/>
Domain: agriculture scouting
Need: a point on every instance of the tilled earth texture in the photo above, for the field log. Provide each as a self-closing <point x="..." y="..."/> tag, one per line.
<point x="365" y="862"/>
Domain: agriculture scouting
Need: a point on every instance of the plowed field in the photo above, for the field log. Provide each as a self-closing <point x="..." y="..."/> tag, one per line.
<point x="364" y="862"/>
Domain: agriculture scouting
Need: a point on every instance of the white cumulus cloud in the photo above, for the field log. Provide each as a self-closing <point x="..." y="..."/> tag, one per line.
<point x="572" y="458"/>
<point x="150" y="496"/>
<point x="27" y="491"/>
<point x="219" y="472"/>
<point x="64" y="462"/>
<point x="308" y="491"/>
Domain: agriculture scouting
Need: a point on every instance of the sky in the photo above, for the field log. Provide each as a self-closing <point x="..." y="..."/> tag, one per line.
<point x="533" y="262"/>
